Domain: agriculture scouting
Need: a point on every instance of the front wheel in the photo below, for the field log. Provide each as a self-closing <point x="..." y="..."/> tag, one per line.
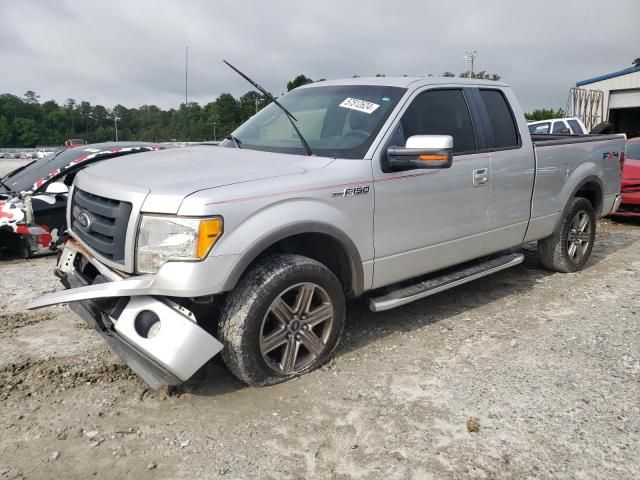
<point x="569" y="248"/>
<point x="283" y="319"/>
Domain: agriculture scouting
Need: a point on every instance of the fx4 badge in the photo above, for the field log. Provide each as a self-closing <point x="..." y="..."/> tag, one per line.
<point x="606" y="155"/>
<point x="350" y="192"/>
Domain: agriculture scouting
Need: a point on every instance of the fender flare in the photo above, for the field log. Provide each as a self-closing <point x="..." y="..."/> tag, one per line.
<point x="285" y="231"/>
<point x="576" y="189"/>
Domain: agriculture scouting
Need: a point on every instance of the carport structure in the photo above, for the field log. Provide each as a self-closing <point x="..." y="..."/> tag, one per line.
<point x="621" y="98"/>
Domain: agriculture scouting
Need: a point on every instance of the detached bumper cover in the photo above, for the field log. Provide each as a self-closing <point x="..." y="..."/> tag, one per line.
<point x="178" y="346"/>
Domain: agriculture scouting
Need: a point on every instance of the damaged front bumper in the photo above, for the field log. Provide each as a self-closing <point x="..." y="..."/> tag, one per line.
<point x="158" y="339"/>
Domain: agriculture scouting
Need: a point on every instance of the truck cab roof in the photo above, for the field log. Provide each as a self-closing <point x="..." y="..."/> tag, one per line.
<point x="406" y="82"/>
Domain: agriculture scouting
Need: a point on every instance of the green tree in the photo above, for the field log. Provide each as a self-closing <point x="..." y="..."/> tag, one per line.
<point x="636" y="62"/>
<point x="25" y="132"/>
<point x="298" y="82"/>
<point x="31" y="97"/>
<point x="250" y="103"/>
<point x="5" y="132"/>
<point x="448" y="74"/>
<point x="228" y="113"/>
<point x="70" y="105"/>
<point x="482" y="75"/>
<point x="85" y="112"/>
<point x="544" y="114"/>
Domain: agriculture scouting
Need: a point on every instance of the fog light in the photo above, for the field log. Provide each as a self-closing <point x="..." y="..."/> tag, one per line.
<point x="147" y="324"/>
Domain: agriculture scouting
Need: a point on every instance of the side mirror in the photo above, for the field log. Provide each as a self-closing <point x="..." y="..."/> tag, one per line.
<point x="56" y="188"/>
<point x="422" y="151"/>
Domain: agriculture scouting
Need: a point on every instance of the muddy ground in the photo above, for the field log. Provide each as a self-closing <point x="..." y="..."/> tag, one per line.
<point x="546" y="368"/>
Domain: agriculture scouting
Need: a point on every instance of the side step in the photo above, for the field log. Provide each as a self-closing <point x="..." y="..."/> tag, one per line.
<point x="451" y="279"/>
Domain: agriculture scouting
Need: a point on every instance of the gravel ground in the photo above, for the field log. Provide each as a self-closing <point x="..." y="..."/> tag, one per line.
<point x="525" y="374"/>
<point x="8" y="164"/>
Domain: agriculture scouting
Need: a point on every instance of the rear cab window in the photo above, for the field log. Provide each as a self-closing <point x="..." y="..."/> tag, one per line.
<point x="502" y="122"/>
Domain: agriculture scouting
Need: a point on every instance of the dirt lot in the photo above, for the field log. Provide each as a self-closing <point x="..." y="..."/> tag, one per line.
<point x="547" y="365"/>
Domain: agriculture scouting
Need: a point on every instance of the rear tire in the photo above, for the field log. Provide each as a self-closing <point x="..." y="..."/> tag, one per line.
<point x="283" y="319"/>
<point x="569" y="248"/>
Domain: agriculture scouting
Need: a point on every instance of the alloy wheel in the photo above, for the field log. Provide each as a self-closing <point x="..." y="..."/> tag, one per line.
<point x="579" y="237"/>
<point x="297" y="327"/>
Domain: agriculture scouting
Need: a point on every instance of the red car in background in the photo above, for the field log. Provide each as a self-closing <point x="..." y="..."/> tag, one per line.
<point x="630" y="186"/>
<point x="75" y="142"/>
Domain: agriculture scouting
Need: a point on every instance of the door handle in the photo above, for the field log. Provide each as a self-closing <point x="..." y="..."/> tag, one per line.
<point x="480" y="177"/>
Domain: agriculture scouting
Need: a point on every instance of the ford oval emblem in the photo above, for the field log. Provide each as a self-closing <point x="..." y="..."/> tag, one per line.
<point x="84" y="219"/>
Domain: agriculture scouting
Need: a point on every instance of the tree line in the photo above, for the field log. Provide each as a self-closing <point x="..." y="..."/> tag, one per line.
<point x="27" y="122"/>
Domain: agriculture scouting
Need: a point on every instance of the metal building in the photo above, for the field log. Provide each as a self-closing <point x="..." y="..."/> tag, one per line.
<point x="620" y="98"/>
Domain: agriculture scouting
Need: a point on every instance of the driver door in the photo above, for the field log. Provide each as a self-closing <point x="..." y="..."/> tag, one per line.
<point x="428" y="219"/>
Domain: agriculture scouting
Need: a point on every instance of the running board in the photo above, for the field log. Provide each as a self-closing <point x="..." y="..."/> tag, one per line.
<point x="405" y="295"/>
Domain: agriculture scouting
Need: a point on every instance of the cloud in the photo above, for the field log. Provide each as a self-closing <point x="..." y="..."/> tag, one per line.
<point x="133" y="52"/>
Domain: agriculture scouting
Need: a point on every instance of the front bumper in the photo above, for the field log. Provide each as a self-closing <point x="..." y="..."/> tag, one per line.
<point x="169" y="356"/>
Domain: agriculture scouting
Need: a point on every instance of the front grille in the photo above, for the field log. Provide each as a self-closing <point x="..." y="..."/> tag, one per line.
<point x="101" y="223"/>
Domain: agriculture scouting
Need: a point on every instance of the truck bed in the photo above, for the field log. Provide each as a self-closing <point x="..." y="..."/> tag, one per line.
<point x="562" y="163"/>
<point x="545" y="139"/>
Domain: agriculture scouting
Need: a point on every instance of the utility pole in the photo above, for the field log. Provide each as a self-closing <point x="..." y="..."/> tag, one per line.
<point x="186" y="74"/>
<point x="471" y="56"/>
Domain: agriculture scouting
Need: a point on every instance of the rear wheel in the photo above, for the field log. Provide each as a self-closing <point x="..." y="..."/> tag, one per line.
<point x="283" y="319"/>
<point x="569" y="249"/>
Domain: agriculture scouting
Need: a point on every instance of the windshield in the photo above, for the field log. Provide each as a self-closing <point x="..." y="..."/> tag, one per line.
<point x="632" y="151"/>
<point x="540" y="127"/>
<point x="23" y="178"/>
<point x="337" y="121"/>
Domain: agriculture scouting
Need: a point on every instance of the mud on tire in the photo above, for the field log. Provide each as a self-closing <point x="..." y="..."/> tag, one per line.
<point x="284" y="303"/>
<point x="569" y="248"/>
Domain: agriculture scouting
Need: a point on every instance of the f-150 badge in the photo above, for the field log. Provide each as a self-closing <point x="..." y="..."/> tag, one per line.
<point x="352" y="191"/>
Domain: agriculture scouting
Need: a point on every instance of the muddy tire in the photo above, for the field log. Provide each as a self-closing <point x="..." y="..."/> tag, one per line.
<point x="569" y="248"/>
<point x="283" y="319"/>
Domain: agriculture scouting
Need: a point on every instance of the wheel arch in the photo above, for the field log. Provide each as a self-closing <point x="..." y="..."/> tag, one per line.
<point x="319" y="241"/>
<point x="592" y="189"/>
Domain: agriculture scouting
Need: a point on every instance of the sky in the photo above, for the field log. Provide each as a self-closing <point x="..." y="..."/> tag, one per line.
<point x="133" y="52"/>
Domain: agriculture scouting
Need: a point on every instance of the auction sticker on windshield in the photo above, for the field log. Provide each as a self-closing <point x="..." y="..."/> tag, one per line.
<point x="359" y="105"/>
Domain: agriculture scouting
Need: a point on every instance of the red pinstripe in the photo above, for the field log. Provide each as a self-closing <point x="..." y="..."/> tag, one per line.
<point x="325" y="187"/>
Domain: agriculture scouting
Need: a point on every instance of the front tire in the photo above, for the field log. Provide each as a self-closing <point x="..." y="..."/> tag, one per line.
<point x="283" y="319"/>
<point x="569" y="248"/>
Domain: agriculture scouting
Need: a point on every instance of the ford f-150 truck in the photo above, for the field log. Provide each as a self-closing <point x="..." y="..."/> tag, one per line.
<point x="391" y="188"/>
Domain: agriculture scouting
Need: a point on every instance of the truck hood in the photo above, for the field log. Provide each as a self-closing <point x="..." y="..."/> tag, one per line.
<point x="168" y="176"/>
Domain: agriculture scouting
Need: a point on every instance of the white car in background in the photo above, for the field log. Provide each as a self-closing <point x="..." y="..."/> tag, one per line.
<point x="573" y="126"/>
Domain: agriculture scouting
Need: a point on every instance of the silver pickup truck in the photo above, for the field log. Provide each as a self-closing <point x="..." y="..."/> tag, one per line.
<point x="393" y="188"/>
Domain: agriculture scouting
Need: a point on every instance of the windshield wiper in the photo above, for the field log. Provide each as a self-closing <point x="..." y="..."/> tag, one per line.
<point x="235" y="141"/>
<point x="290" y="117"/>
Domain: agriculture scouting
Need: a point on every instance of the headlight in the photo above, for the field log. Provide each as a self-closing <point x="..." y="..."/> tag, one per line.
<point x="164" y="238"/>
